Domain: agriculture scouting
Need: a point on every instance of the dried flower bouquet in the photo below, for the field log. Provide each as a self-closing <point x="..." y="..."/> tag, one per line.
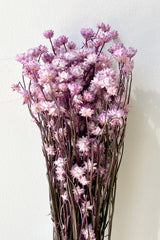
<point x="79" y="99"/>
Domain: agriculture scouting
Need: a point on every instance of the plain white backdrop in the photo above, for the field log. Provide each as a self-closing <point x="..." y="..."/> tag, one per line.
<point x="24" y="206"/>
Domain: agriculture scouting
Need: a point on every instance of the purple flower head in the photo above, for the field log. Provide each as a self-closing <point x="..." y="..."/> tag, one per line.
<point x="131" y="52"/>
<point x="16" y="87"/>
<point x="48" y="34"/>
<point x="115" y="47"/>
<point x="30" y="69"/>
<point x="128" y="66"/>
<point x="60" y="41"/>
<point x="115" y="116"/>
<point x="121" y="55"/>
<point x="21" y="57"/>
<point x="33" y="52"/>
<point x="47" y="74"/>
<point x="47" y="57"/>
<point x="103" y="118"/>
<point x="42" y="49"/>
<point x="104" y="37"/>
<point x="114" y="34"/>
<point x="71" y="45"/>
<point x="74" y="88"/>
<point x="97" y="42"/>
<point x="104" y="27"/>
<point x="88" y="96"/>
<point x="87" y="33"/>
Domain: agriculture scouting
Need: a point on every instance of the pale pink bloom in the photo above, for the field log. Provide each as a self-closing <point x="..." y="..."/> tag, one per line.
<point x="60" y="162"/>
<point x="104" y="27"/>
<point x="50" y="150"/>
<point x="104" y="61"/>
<point x="33" y="65"/>
<point x="60" y="174"/>
<point x="47" y="89"/>
<point x="131" y="52"/>
<point x="70" y="56"/>
<point x="26" y="96"/>
<point x="71" y="45"/>
<point x="53" y="111"/>
<point x="48" y="34"/>
<point x="83" y="144"/>
<point x="114" y="34"/>
<point x="97" y="42"/>
<point x="115" y="47"/>
<point x="95" y="84"/>
<point x="87" y="33"/>
<point x="74" y="88"/>
<point x="121" y="55"/>
<point x="103" y="118"/>
<point x="112" y="90"/>
<point x="88" y="96"/>
<point x="104" y="79"/>
<point x="91" y="58"/>
<point x="83" y="180"/>
<point x="90" y="44"/>
<point x="76" y="71"/>
<point x="36" y="108"/>
<point x="102" y="36"/>
<point x="77" y="172"/>
<point x="77" y="99"/>
<point x="46" y="74"/>
<point x="59" y="64"/>
<point x="65" y="196"/>
<point x="16" y="87"/>
<point x="60" y="171"/>
<point x="78" y="191"/>
<point x="86" y="206"/>
<point x="30" y="69"/>
<point x="128" y="66"/>
<point x="86" y="112"/>
<point x="21" y="58"/>
<point x="62" y="87"/>
<point x="91" y="234"/>
<point x="35" y="90"/>
<point x="63" y="76"/>
<point x="115" y="117"/>
<point x="50" y="107"/>
<point x="89" y="166"/>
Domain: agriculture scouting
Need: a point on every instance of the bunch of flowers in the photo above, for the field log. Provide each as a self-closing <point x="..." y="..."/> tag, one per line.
<point x="79" y="99"/>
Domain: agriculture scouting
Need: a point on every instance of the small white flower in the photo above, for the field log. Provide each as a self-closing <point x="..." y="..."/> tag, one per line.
<point x="86" y="112"/>
<point x="83" y="144"/>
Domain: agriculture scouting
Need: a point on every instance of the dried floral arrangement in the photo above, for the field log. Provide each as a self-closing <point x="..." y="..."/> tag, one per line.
<point x="79" y="99"/>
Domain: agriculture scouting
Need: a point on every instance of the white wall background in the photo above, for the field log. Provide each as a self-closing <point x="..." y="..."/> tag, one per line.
<point x="24" y="204"/>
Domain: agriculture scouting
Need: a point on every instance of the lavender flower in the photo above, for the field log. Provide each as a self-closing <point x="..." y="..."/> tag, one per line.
<point x="48" y="34"/>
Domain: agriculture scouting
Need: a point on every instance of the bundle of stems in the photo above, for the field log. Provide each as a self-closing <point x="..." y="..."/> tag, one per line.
<point x="79" y="99"/>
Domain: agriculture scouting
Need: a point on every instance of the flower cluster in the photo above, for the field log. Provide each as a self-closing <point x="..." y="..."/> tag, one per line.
<point x="79" y="98"/>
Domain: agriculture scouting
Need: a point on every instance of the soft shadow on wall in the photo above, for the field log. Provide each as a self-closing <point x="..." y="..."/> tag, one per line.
<point x="138" y="195"/>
